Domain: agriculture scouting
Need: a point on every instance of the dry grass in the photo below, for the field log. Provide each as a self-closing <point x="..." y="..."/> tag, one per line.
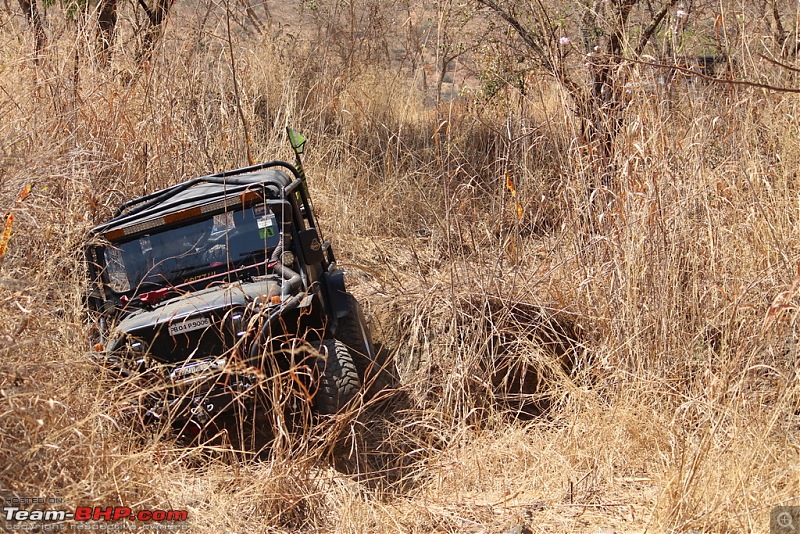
<point x="663" y="323"/>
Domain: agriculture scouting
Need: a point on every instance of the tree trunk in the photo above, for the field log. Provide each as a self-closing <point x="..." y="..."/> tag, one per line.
<point x="34" y="18"/>
<point x="156" y="15"/>
<point x="106" y="28"/>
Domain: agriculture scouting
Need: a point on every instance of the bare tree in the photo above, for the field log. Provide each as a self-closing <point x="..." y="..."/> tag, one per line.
<point x="107" y="24"/>
<point x="452" y="39"/>
<point x="583" y="45"/>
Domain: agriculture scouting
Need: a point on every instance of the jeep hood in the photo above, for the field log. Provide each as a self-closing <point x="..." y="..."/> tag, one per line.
<point x="198" y="303"/>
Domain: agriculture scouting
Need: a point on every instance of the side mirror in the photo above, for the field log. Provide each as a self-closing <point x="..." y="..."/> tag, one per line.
<point x="311" y="245"/>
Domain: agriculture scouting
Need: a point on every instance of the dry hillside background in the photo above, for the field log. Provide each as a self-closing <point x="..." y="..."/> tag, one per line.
<point x="666" y="272"/>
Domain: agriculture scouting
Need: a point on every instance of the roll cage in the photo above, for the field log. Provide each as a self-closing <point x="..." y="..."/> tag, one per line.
<point x="202" y="198"/>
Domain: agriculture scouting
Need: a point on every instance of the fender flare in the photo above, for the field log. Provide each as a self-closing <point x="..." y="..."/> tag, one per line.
<point x="337" y="293"/>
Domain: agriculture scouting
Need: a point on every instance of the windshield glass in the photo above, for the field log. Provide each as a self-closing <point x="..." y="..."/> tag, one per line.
<point x="218" y="244"/>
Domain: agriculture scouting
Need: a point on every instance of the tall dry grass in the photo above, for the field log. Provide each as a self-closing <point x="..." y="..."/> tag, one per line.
<point x="660" y="315"/>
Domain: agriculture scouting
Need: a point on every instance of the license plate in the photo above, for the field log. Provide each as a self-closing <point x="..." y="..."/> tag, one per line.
<point x="197" y="367"/>
<point x="189" y="325"/>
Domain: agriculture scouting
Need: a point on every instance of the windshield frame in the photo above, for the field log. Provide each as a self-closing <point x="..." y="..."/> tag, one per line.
<point x="199" y="276"/>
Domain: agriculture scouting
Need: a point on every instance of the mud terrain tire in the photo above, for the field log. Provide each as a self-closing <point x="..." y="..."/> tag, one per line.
<point x="339" y="381"/>
<point x="352" y="330"/>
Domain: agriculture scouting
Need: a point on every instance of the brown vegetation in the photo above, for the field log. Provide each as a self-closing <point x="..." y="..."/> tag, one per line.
<point x="659" y="309"/>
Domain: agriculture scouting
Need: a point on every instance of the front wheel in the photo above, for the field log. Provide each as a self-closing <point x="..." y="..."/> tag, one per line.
<point x="339" y="382"/>
<point x="352" y="330"/>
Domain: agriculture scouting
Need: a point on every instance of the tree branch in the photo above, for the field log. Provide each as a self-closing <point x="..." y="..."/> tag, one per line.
<point x="526" y="36"/>
<point x="648" y="32"/>
<point x="744" y="83"/>
<point x="147" y="11"/>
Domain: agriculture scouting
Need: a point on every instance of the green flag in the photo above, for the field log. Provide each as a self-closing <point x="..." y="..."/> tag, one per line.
<point x="297" y="140"/>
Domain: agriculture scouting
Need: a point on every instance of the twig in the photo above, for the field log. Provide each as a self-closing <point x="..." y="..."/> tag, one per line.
<point x="778" y="63"/>
<point x="693" y="72"/>
<point x="236" y="85"/>
<point x="602" y="505"/>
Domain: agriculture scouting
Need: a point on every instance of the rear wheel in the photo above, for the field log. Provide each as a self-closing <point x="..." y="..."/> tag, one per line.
<point x="339" y="381"/>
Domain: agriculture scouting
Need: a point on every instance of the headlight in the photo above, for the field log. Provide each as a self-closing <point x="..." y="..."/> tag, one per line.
<point x="126" y="356"/>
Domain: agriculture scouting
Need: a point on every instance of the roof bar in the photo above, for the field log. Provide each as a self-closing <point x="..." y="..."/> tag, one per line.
<point x="154" y="198"/>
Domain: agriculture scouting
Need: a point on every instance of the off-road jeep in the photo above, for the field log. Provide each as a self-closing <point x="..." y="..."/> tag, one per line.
<point x="219" y="299"/>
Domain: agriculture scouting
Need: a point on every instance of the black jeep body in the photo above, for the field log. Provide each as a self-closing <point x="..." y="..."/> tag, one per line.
<point x="218" y="298"/>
